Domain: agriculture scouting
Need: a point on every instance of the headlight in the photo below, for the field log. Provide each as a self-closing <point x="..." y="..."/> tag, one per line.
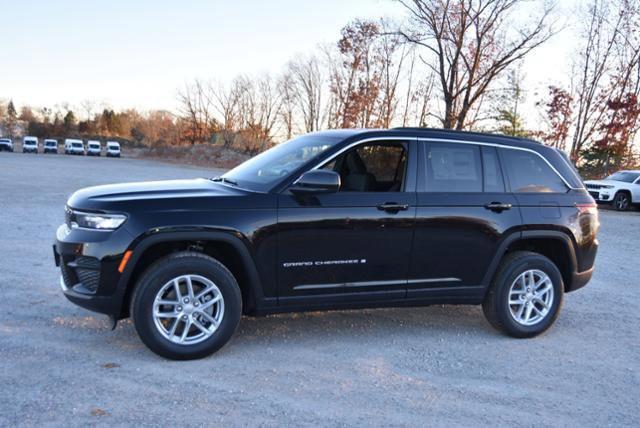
<point x="83" y="220"/>
<point x="607" y="186"/>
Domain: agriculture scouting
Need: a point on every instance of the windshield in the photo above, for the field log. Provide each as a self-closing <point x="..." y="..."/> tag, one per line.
<point x="262" y="172"/>
<point x="627" y="177"/>
<point x="76" y="145"/>
<point x="94" y="146"/>
<point x="113" y="146"/>
<point x="49" y="143"/>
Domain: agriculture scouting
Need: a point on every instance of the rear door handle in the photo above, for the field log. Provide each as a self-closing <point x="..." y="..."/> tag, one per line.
<point x="392" y="206"/>
<point x="498" y="206"/>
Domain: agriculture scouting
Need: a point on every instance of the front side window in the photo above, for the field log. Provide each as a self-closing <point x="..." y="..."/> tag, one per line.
<point x="374" y="167"/>
<point x="264" y="171"/>
<point x="529" y="173"/>
<point x="453" y="168"/>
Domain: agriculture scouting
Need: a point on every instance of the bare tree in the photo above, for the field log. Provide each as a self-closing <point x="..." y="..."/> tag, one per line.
<point x="469" y="44"/>
<point x="196" y="107"/>
<point x="309" y="80"/>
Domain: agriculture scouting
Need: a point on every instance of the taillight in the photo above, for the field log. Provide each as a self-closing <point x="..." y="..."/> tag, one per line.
<point x="588" y="208"/>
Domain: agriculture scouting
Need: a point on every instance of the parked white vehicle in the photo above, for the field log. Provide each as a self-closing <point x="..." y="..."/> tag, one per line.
<point x="30" y="145"/>
<point x="50" y="145"/>
<point x="73" y="147"/>
<point x="622" y="189"/>
<point x="94" y="148"/>
<point x="113" y="149"/>
<point x="6" y="144"/>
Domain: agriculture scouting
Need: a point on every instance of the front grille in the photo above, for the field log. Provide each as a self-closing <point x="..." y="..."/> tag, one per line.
<point x="594" y="186"/>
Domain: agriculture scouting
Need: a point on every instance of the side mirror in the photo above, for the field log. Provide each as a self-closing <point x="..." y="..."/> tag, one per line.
<point x="316" y="181"/>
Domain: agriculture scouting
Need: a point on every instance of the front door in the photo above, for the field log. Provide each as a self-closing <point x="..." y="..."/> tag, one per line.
<point x="354" y="244"/>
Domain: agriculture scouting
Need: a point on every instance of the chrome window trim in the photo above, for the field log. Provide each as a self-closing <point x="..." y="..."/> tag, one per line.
<point x="444" y="140"/>
<point x="356" y="143"/>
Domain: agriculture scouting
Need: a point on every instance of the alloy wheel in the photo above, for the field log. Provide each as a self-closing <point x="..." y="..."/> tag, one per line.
<point x="530" y="297"/>
<point x="188" y="309"/>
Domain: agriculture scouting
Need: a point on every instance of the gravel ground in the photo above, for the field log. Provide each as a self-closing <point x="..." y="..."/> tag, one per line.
<point x="441" y="365"/>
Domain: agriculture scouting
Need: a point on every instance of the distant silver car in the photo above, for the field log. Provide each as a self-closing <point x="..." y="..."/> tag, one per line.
<point x="6" y="145"/>
<point x="622" y="189"/>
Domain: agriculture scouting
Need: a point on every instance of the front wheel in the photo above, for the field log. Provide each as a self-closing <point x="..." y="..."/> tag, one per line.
<point x="622" y="201"/>
<point x="526" y="295"/>
<point x="186" y="306"/>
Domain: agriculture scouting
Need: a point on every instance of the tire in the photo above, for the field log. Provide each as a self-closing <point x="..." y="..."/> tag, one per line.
<point x="622" y="201"/>
<point x="155" y="332"/>
<point x="509" y="283"/>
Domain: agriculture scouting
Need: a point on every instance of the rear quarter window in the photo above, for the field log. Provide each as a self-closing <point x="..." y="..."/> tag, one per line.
<point x="529" y="173"/>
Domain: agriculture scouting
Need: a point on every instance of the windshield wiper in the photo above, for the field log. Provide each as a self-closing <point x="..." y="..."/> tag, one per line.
<point x="225" y="180"/>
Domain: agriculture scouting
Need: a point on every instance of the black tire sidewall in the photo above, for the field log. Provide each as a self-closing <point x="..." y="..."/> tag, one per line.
<point x="508" y="275"/>
<point x="161" y="273"/>
<point x="615" y="201"/>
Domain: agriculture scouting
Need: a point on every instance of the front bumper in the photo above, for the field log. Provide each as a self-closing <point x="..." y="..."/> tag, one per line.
<point x="88" y="262"/>
<point x="602" y="195"/>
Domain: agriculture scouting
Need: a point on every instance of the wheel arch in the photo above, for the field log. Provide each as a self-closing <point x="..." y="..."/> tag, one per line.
<point x="553" y="244"/>
<point x="224" y="246"/>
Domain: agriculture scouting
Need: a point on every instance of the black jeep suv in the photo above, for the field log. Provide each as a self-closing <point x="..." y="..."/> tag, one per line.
<point x="335" y="220"/>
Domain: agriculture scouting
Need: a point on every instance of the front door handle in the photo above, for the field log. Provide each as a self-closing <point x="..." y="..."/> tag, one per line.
<point x="498" y="206"/>
<point x="393" y="207"/>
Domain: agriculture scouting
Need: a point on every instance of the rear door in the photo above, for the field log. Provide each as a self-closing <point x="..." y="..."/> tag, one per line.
<point x="463" y="215"/>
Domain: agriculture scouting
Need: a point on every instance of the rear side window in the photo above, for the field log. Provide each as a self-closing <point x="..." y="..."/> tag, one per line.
<point x="492" y="173"/>
<point x="529" y="173"/>
<point x="453" y="168"/>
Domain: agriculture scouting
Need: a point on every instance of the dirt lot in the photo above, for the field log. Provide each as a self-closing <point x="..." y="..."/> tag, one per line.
<point x="442" y="366"/>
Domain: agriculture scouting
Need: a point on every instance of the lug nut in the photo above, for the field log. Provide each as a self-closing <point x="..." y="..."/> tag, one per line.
<point x="179" y="308"/>
<point x="196" y="304"/>
<point x="186" y="300"/>
<point x="184" y="317"/>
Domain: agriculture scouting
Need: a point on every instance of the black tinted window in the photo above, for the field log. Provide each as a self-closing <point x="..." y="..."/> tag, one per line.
<point x="528" y="173"/>
<point x="371" y="168"/>
<point x="493" y="181"/>
<point x="453" y="168"/>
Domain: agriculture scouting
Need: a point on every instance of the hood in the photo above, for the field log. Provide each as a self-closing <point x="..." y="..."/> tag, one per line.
<point x="603" y="182"/>
<point x="153" y="195"/>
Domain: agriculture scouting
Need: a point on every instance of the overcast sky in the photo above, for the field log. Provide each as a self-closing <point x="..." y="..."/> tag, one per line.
<point x="139" y="53"/>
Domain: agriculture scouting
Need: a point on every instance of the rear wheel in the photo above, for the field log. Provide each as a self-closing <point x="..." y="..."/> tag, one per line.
<point x="526" y="295"/>
<point x="186" y="306"/>
<point x="622" y="201"/>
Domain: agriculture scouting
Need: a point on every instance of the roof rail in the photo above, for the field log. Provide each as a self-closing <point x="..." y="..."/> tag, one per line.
<point x="458" y="131"/>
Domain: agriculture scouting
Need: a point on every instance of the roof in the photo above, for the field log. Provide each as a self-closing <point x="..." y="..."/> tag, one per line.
<point x="436" y="133"/>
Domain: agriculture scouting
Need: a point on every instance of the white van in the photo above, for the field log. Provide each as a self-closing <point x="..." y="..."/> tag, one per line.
<point x="50" y="146"/>
<point x="113" y="149"/>
<point x="30" y="145"/>
<point x="73" y="147"/>
<point x="94" y="148"/>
